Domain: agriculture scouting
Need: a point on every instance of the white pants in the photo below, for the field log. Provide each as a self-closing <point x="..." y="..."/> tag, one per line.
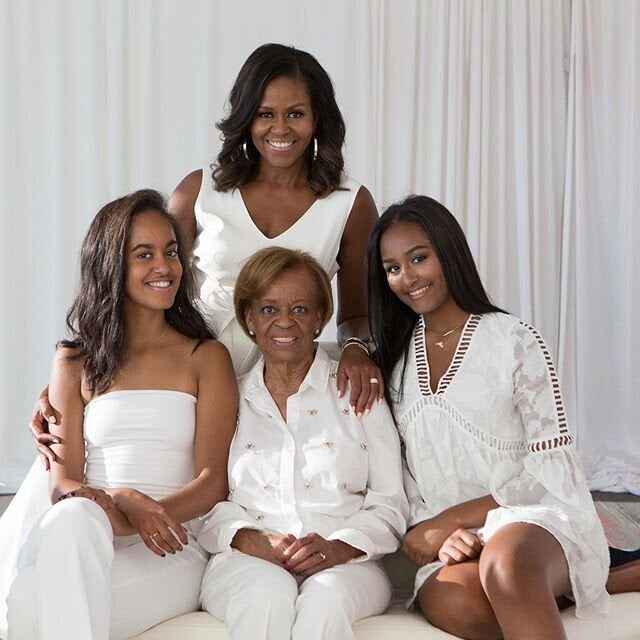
<point x="83" y="586"/>
<point x="261" y="601"/>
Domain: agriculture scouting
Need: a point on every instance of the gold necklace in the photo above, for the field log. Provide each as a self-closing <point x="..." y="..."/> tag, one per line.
<point x="444" y="335"/>
<point x="160" y="336"/>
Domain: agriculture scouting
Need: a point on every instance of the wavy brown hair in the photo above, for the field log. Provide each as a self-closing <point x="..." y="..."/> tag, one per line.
<point x="95" y="320"/>
<point x="232" y="168"/>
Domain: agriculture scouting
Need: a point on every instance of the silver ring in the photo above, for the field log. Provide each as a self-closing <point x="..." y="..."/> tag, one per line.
<point x="322" y="555"/>
<point x="373" y="381"/>
<point x="157" y="533"/>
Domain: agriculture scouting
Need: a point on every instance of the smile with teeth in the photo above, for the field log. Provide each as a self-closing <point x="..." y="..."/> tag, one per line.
<point x="283" y="339"/>
<point x="279" y="144"/>
<point x="416" y="293"/>
<point x="160" y="284"/>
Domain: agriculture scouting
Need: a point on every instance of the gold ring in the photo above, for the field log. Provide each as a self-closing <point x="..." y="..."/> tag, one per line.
<point x="322" y="555"/>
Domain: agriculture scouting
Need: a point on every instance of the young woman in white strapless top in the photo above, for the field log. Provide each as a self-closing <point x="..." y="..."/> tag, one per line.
<point x="146" y="403"/>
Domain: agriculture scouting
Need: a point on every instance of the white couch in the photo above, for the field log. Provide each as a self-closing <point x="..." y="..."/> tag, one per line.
<point x="623" y="623"/>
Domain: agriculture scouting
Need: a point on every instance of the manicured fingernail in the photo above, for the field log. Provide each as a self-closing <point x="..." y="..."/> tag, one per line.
<point x="51" y="419"/>
<point x="380" y="400"/>
<point x="359" y="415"/>
<point x="366" y="412"/>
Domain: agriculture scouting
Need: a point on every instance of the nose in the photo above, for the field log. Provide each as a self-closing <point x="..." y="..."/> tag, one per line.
<point x="280" y="124"/>
<point x="284" y="318"/>
<point x="161" y="264"/>
<point x="408" y="276"/>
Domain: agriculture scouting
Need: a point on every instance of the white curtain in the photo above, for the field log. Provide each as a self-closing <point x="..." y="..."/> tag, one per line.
<point x="465" y="100"/>
<point x="600" y="341"/>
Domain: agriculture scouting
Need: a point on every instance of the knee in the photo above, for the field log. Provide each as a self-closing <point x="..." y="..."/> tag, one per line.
<point x="507" y="571"/>
<point x="75" y="522"/>
<point x="460" y="613"/>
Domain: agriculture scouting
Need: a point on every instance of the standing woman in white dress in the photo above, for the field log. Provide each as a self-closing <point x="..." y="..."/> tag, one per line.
<point x="502" y="523"/>
<point x="146" y="404"/>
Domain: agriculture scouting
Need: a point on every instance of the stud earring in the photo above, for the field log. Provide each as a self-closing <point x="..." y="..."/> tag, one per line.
<point x="252" y="333"/>
<point x="316" y="333"/>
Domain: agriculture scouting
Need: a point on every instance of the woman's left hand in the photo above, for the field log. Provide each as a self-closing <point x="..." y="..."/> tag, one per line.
<point x="460" y="546"/>
<point x="367" y="384"/>
<point x="313" y="553"/>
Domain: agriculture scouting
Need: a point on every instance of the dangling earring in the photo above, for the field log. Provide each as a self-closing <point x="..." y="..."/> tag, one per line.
<point x="315" y="149"/>
<point x="244" y="151"/>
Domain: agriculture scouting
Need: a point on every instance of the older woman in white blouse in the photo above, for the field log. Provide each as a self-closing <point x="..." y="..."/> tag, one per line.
<point x="316" y="493"/>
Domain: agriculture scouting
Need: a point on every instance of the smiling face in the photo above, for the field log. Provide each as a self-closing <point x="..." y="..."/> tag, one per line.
<point x="284" y="123"/>
<point x="152" y="267"/>
<point x="285" y="318"/>
<point x="413" y="269"/>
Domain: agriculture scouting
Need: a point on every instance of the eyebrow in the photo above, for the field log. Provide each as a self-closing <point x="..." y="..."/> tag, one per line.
<point x="142" y="245"/>
<point x="293" y="106"/>
<point x="408" y="251"/>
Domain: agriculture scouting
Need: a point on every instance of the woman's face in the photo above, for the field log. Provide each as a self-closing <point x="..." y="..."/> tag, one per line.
<point x="284" y="123"/>
<point x="152" y="266"/>
<point x="286" y="318"/>
<point x="413" y="269"/>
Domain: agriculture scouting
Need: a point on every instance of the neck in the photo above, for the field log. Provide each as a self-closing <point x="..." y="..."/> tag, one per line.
<point x="285" y="378"/>
<point x="286" y="178"/>
<point x="143" y="327"/>
<point x="445" y="318"/>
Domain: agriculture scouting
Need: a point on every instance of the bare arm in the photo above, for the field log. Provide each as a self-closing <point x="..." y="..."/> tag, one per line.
<point x="352" y="317"/>
<point x="182" y="204"/>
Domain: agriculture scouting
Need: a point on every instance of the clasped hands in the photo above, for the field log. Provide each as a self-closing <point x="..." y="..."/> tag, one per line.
<point x="300" y="556"/>
<point x="131" y="511"/>
<point x="439" y="538"/>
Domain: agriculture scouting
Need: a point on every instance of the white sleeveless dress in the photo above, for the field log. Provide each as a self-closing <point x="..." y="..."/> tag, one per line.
<point x="227" y="236"/>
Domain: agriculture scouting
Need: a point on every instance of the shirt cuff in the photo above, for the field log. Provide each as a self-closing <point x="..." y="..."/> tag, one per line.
<point x="356" y="539"/>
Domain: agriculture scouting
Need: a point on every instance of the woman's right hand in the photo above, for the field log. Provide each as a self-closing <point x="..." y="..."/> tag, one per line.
<point x="269" y="547"/>
<point x="160" y="531"/>
<point x="423" y="542"/>
<point x="43" y="414"/>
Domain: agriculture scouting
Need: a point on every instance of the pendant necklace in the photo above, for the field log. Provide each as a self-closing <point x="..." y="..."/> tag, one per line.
<point x="443" y="336"/>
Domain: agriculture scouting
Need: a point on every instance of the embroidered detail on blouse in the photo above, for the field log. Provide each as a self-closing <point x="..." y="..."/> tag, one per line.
<point x="557" y="395"/>
<point x="345" y="412"/>
<point x="363" y="446"/>
<point x="312" y="412"/>
<point x="550" y="443"/>
<point x="308" y="485"/>
<point x="422" y="364"/>
<point x="495" y="443"/>
<point x="329" y="444"/>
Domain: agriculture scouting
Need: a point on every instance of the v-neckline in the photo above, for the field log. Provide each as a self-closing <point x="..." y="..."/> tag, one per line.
<point x="422" y="359"/>
<point x="283" y="232"/>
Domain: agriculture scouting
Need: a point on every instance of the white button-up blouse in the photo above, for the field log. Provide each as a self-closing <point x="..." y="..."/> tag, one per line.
<point x="322" y="470"/>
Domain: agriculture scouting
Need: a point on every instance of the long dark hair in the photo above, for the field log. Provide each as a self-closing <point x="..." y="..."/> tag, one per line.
<point x="233" y="168"/>
<point x="95" y="319"/>
<point x="392" y="322"/>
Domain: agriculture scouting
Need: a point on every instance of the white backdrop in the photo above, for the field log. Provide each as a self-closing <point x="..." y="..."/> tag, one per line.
<point x="468" y="101"/>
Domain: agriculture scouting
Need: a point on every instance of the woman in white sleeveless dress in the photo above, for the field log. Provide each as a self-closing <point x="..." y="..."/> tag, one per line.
<point x="146" y="404"/>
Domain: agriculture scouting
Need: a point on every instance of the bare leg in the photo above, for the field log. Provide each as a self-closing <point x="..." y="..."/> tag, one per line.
<point x="624" y="578"/>
<point x="523" y="570"/>
<point x="453" y="600"/>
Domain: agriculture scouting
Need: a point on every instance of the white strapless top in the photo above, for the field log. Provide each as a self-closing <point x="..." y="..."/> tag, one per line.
<point x="143" y="439"/>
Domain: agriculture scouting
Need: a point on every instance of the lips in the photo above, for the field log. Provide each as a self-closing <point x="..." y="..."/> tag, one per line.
<point x="417" y="293"/>
<point x="160" y="285"/>
<point x="280" y="145"/>
<point x="283" y="339"/>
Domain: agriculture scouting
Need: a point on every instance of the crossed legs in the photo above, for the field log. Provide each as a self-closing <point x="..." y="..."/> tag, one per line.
<point x="519" y="579"/>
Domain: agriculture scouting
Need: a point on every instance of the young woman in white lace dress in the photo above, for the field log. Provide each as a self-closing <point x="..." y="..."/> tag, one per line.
<point x="503" y="525"/>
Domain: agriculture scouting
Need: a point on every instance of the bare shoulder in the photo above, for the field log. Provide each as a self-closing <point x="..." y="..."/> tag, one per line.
<point x="68" y="362"/>
<point x="212" y="354"/>
<point x="187" y="190"/>
<point x="364" y="213"/>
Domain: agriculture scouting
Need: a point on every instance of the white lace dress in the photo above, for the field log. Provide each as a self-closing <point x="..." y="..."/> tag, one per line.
<point x="496" y="425"/>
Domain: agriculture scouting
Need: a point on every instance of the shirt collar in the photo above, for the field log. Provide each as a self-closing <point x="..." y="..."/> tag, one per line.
<point x="317" y="377"/>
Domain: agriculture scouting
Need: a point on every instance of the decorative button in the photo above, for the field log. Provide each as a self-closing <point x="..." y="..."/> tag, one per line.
<point x="333" y="374"/>
<point x="259" y="517"/>
<point x="249" y="446"/>
<point x="312" y="412"/>
<point x="344" y="486"/>
<point x="329" y="444"/>
<point x="308" y="485"/>
<point x="363" y="446"/>
<point x="345" y="412"/>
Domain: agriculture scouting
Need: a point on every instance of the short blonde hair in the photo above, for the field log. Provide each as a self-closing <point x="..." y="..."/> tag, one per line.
<point x="263" y="268"/>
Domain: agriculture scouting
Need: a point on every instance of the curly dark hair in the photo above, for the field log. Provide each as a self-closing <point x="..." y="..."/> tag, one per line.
<point x="268" y="62"/>
<point x="95" y="319"/>
<point x="391" y="321"/>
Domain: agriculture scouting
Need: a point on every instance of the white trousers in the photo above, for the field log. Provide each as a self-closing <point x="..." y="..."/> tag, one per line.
<point x="261" y="601"/>
<point x="82" y="585"/>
